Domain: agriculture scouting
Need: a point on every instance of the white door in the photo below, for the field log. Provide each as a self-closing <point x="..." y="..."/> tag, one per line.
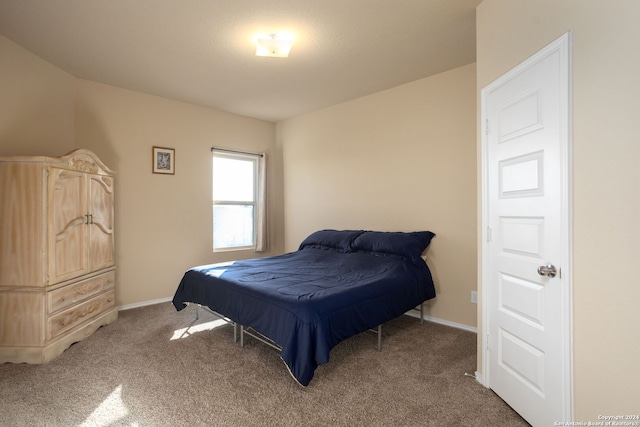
<point x="526" y="253"/>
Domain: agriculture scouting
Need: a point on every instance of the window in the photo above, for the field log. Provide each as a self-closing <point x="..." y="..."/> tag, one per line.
<point x="234" y="201"/>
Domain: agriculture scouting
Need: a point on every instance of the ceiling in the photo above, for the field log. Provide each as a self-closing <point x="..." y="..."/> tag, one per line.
<point x="203" y="51"/>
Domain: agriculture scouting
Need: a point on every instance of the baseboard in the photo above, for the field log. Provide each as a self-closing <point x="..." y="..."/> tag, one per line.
<point x="144" y="303"/>
<point x="411" y="313"/>
<point x="444" y="322"/>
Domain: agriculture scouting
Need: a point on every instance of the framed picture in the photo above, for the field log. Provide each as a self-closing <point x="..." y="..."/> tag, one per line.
<point x="164" y="160"/>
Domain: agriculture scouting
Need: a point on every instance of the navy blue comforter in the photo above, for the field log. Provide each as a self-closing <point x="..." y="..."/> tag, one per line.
<point x="309" y="300"/>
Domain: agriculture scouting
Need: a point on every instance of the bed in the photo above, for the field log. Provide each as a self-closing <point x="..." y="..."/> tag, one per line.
<point x="336" y="285"/>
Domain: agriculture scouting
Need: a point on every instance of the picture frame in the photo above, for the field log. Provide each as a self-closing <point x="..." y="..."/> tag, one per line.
<point x="164" y="160"/>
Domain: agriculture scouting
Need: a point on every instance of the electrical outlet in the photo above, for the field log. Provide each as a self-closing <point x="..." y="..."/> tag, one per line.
<point x="474" y="297"/>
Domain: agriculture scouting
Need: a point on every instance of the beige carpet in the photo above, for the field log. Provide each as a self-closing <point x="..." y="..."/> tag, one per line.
<point x="148" y="369"/>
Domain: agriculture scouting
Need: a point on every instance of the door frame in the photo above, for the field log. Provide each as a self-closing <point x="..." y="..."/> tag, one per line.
<point x="562" y="44"/>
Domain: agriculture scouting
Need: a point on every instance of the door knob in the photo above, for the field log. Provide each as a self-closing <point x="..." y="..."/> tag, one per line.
<point x="548" y="270"/>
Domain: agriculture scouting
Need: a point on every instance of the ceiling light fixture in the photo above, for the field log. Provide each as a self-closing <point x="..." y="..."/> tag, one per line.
<point x="274" y="45"/>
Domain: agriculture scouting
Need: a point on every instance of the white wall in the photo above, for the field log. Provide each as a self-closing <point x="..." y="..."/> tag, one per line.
<point x="606" y="178"/>
<point x="400" y="160"/>
<point x="36" y="104"/>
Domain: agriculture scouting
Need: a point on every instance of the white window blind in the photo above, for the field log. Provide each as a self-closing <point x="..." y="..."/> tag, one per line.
<point x="239" y="201"/>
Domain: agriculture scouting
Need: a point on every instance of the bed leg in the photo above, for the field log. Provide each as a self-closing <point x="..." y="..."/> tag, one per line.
<point x="421" y="314"/>
<point x="197" y="311"/>
<point x="380" y="337"/>
<point x="241" y="336"/>
<point x="235" y="332"/>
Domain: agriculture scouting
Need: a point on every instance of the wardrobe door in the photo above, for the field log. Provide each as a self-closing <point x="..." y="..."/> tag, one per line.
<point x="101" y="242"/>
<point x="68" y="225"/>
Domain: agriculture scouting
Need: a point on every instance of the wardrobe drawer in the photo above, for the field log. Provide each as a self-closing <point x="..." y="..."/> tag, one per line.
<point x="74" y="316"/>
<point x="76" y="292"/>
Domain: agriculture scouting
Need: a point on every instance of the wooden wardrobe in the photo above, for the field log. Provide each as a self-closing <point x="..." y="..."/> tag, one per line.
<point x="57" y="264"/>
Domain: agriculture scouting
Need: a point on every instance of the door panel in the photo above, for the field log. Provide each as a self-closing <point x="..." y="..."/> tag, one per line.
<point x="67" y="234"/>
<point x="101" y="222"/>
<point x="522" y="300"/>
<point x="526" y="206"/>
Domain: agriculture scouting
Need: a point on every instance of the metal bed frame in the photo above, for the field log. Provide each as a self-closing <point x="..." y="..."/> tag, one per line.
<point x="220" y="316"/>
<point x="265" y="340"/>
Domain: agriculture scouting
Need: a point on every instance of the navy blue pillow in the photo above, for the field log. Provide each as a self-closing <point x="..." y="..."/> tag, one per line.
<point x="330" y="239"/>
<point x="407" y="246"/>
